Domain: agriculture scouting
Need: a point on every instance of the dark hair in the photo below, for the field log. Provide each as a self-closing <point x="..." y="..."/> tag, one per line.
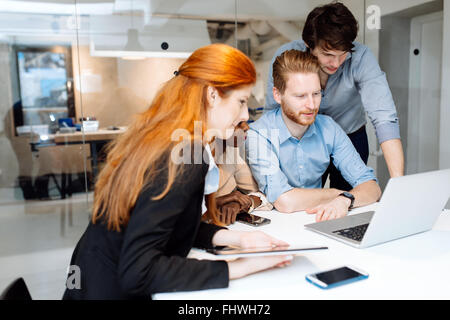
<point x="331" y="27"/>
<point x="292" y="61"/>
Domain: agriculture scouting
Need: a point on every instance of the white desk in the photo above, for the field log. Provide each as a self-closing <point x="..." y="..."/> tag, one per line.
<point x="416" y="267"/>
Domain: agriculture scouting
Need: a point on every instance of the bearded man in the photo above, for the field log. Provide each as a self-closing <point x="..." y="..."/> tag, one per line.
<point x="290" y="147"/>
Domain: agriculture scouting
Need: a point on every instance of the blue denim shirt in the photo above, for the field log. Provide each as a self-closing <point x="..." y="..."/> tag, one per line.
<point x="281" y="162"/>
<point x="358" y="85"/>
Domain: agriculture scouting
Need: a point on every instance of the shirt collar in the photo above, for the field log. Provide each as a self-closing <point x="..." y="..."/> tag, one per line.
<point x="285" y="134"/>
<point x="212" y="176"/>
<point x="211" y="162"/>
<point x="341" y="68"/>
<point x="312" y="130"/>
<point x="349" y="56"/>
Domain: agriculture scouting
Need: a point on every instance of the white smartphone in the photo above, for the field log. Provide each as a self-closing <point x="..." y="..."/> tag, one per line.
<point x="336" y="277"/>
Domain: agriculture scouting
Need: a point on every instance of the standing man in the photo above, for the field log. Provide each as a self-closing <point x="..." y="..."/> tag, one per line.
<point x="352" y="84"/>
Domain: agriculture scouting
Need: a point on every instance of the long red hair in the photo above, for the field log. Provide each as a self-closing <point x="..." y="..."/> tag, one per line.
<point x="178" y="104"/>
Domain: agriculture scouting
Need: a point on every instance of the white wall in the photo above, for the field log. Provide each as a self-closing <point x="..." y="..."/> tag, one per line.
<point x="391" y="6"/>
<point x="444" y="155"/>
<point x="372" y="41"/>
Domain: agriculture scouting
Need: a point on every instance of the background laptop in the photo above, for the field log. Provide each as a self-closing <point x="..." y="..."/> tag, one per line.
<point x="409" y="205"/>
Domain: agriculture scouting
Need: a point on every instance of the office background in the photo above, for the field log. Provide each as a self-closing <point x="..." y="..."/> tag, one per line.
<point x="105" y="60"/>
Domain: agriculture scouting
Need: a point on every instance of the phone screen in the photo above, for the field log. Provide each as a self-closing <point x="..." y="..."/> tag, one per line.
<point x="337" y="275"/>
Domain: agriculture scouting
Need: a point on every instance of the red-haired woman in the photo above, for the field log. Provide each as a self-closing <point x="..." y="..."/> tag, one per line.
<point x="148" y="209"/>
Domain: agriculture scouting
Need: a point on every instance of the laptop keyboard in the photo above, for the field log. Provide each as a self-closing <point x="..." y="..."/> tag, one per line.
<point x="355" y="233"/>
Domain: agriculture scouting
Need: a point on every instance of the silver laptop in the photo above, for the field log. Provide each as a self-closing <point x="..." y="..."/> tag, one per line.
<point x="409" y="205"/>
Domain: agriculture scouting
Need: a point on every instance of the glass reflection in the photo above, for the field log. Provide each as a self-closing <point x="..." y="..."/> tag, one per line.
<point x="43" y="178"/>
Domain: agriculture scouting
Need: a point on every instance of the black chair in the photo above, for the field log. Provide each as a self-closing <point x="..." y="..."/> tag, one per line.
<point x="16" y="291"/>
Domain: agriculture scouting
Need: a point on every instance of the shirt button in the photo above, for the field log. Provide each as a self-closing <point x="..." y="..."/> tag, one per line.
<point x="301" y="167"/>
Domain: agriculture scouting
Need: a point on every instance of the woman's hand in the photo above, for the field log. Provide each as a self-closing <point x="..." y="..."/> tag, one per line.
<point x="255" y="239"/>
<point x="250" y="239"/>
<point x="246" y="239"/>
<point x="242" y="267"/>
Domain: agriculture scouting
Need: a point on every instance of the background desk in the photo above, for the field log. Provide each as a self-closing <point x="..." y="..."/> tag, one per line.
<point x="416" y="267"/>
<point x="94" y="139"/>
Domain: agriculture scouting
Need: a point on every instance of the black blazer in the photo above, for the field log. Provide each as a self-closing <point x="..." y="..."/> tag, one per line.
<point x="149" y="254"/>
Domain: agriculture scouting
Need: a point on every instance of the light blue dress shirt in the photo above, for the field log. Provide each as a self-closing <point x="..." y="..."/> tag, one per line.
<point x="280" y="162"/>
<point x="358" y="85"/>
<point x="211" y="179"/>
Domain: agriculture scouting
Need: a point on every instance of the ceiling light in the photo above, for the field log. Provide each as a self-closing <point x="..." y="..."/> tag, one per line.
<point x="162" y="38"/>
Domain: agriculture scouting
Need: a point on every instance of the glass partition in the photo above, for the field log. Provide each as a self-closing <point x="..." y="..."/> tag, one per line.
<point x="44" y="175"/>
<point x="75" y="72"/>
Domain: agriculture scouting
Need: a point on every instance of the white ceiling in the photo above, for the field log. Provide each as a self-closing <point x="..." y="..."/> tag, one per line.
<point x="223" y="9"/>
<point x="107" y="22"/>
<point x="53" y="21"/>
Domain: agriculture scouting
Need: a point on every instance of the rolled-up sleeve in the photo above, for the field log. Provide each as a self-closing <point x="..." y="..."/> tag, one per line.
<point x="376" y="97"/>
<point x="347" y="160"/>
<point x="265" y="166"/>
